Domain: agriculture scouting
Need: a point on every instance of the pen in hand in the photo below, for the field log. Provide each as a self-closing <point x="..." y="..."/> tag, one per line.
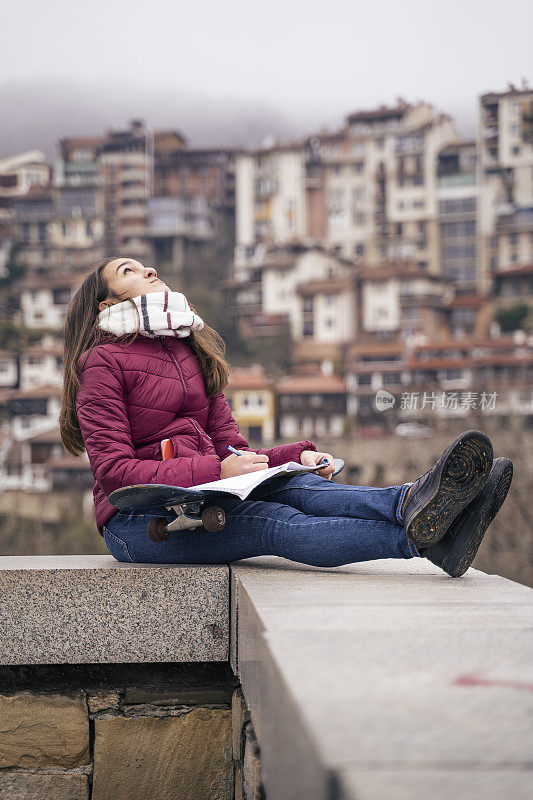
<point x="233" y="450"/>
<point x="240" y="453"/>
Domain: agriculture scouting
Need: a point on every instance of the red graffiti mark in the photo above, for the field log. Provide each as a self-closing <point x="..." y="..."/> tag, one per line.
<point x="473" y="680"/>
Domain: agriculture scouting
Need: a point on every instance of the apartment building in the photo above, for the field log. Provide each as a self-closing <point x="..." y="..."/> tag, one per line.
<point x="126" y="166"/>
<point x="193" y="201"/>
<point x="505" y="148"/>
<point x="59" y="229"/>
<point x="80" y="202"/>
<point x="270" y="199"/>
<point x="458" y="202"/>
<point x="380" y="175"/>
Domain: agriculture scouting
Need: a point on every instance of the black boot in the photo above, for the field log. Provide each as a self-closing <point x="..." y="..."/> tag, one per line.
<point x="457" y="549"/>
<point x="438" y="496"/>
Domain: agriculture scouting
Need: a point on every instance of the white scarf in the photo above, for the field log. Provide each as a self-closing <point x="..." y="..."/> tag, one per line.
<point x="161" y="314"/>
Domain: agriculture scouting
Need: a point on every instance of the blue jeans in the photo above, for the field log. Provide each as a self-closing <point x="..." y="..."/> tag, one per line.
<point x="305" y="518"/>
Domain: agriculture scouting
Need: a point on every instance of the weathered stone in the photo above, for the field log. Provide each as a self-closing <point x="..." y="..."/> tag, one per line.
<point x="35" y="786"/>
<point x="40" y="730"/>
<point x="251" y="769"/>
<point x="186" y="757"/>
<point x="94" y="609"/>
<point x="167" y="697"/>
<point x="103" y="700"/>
<point x="239" y="716"/>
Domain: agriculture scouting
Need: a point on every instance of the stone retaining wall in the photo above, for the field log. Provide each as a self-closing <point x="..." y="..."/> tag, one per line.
<point x="138" y="732"/>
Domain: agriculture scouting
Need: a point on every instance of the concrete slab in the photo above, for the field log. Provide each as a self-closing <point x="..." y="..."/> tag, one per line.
<point x="94" y="609"/>
<point x="382" y="668"/>
<point x="437" y="784"/>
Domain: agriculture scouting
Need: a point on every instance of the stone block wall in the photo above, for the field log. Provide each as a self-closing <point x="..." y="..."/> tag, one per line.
<point x="138" y="732"/>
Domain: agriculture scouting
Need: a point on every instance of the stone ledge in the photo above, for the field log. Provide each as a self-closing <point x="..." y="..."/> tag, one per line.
<point x="94" y="609"/>
<point x="384" y="679"/>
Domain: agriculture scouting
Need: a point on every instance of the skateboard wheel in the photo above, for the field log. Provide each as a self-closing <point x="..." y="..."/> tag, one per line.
<point x="213" y="519"/>
<point x="157" y="529"/>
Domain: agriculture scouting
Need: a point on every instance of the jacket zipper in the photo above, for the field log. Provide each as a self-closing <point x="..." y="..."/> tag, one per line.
<point x="178" y="368"/>
<point x="198" y="428"/>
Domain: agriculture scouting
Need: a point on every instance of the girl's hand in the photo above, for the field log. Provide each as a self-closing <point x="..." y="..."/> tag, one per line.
<point x="311" y="457"/>
<point x="237" y="465"/>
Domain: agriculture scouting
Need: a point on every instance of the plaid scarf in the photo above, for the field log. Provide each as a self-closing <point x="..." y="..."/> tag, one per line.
<point x="161" y="314"/>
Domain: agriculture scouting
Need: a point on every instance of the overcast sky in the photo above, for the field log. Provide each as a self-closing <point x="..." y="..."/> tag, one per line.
<point x="233" y="71"/>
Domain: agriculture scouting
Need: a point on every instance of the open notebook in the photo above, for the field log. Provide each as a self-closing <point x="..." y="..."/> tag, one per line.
<point x="242" y="485"/>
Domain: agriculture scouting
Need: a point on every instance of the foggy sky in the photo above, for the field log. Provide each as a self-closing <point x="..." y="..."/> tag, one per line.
<point x="229" y="72"/>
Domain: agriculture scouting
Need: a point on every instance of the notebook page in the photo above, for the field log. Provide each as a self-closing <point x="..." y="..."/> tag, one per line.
<point x="249" y="480"/>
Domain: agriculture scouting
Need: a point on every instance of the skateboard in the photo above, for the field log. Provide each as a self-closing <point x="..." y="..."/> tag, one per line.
<point x="194" y="507"/>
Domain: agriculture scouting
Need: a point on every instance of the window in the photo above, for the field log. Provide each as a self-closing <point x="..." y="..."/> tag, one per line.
<point x="359" y="249"/>
<point x="453" y="374"/>
<point x="391" y="378"/>
<point x="365" y="379"/>
<point x="255" y="433"/>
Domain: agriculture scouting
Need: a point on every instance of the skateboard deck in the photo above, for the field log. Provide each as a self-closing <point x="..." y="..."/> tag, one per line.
<point x="160" y="494"/>
<point x="193" y="507"/>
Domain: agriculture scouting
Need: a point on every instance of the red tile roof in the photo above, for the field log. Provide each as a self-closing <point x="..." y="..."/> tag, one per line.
<point x="243" y="378"/>
<point x="311" y="384"/>
<point x="512" y="272"/>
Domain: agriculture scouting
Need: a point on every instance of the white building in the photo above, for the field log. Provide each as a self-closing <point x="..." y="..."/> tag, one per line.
<point x="42" y="364"/>
<point x="8" y="369"/>
<point x="44" y="302"/>
<point x="270" y="199"/>
<point x="21" y="171"/>
<point x="505" y="147"/>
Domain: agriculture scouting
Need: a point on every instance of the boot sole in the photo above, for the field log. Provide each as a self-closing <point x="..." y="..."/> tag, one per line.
<point x="470" y="534"/>
<point x="463" y="472"/>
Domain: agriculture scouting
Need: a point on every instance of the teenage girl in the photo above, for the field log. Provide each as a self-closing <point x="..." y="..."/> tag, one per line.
<point x="140" y="366"/>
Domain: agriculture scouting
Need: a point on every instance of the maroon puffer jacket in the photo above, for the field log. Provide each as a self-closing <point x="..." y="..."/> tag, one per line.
<point x="134" y="395"/>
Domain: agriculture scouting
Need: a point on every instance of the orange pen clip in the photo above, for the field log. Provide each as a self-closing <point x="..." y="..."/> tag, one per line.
<point x="167" y="451"/>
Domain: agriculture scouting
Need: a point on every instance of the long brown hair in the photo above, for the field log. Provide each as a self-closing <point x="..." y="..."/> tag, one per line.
<point x="81" y="333"/>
